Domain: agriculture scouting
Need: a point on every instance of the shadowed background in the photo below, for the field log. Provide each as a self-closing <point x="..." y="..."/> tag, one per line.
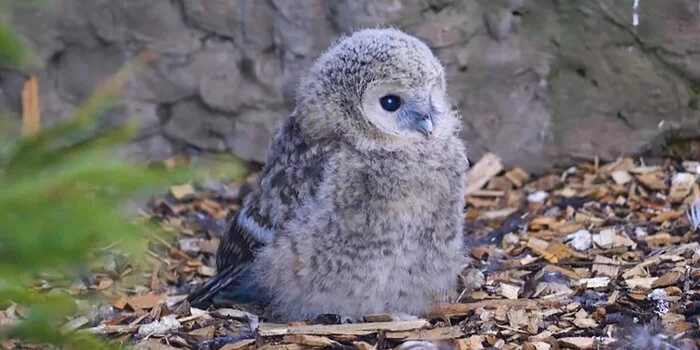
<point x="539" y="82"/>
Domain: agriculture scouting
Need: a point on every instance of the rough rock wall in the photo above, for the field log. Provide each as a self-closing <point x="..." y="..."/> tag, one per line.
<point x="538" y="81"/>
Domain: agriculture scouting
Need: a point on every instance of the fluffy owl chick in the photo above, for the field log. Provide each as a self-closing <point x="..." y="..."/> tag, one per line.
<point x="359" y="208"/>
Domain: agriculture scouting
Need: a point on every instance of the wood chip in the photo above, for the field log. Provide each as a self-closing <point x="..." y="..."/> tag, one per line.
<point x="451" y="310"/>
<point x="353" y="329"/>
<point x="153" y="344"/>
<point x="241" y="344"/>
<point x="559" y="250"/>
<point x="145" y="301"/>
<point x="203" y="333"/>
<point x="538" y="345"/>
<point x="308" y="340"/>
<point x="31" y="117"/>
<point x="377" y="318"/>
<point x="681" y="185"/>
<point x="486" y="168"/>
<point x="621" y="177"/>
<point x="474" y="342"/>
<point x="645" y="169"/>
<point x="653" y="180"/>
<point x="487" y="193"/>
<point x="498" y="214"/>
<point x="119" y="303"/>
<point x="668" y="216"/>
<point x="206" y="271"/>
<point x="517" y="176"/>
<point x="74" y="324"/>
<point x="360" y="345"/>
<point x="605" y="239"/>
<point x="439" y="333"/>
<point x="604" y="266"/>
<point x="640" y="282"/>
<point x="182" y="191"/>
<point x="585" y="323"/>
<point x="578" y="342"/>
<point x="668" y="279"/>
<point x="517" y="318"/>
<point x="282" y="347"/>
<point x="597" y="282"/>
<point x="661" y="239"/>
<point x="509" y="291"/>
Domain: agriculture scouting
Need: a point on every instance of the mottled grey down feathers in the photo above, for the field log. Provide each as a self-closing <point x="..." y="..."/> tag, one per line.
<point x="358" y="210"/>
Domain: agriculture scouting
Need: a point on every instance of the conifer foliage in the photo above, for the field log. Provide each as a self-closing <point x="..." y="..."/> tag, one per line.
<point x="62" y="190"/>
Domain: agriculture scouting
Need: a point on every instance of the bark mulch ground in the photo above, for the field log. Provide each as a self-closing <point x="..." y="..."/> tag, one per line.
<point x="590" y="257"/>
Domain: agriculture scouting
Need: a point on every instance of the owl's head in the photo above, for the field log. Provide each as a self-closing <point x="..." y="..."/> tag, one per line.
<point x="378" y="87"/>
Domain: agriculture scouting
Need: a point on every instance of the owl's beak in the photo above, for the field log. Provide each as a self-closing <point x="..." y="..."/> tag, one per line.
<point x="424" y="124"/>
<point x="418" y="117"/>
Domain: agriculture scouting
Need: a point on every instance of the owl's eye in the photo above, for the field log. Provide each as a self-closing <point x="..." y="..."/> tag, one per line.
<point x="390" y="103"/>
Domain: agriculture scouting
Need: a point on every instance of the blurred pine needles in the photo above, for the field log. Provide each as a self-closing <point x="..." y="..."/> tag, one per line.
<point x="62" y="191"/>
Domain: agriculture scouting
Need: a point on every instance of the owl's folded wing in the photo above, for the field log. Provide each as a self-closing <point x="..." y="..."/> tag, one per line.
<point x="291" y="177"/>
<point x="234" y="255"/>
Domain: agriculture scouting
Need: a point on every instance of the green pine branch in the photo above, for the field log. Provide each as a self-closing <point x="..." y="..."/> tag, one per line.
<point x="61" y="196"/>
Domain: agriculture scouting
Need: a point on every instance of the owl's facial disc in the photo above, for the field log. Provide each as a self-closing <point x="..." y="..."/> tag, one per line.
<point x="401" y="111"/>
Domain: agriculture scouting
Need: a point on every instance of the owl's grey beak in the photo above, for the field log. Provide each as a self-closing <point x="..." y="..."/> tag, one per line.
<point x="419" y="117"/>
<point x="424" y="124"/>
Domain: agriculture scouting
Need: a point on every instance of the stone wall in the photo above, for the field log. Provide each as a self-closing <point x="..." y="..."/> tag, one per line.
<point x="538" y="81"/>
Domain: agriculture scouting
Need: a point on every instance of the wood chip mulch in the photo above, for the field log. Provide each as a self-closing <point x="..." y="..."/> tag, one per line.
<point x="590" y="257"/>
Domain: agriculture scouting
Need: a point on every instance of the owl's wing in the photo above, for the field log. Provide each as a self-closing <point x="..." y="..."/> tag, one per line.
<point x="234" y="254"/>
<point x="291" y="177"/>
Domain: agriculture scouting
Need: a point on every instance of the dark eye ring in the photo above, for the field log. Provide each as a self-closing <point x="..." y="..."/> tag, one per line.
<point x="390" y="103"/>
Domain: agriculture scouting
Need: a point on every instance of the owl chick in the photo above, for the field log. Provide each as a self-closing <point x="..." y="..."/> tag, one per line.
<point x="359" y="208"/>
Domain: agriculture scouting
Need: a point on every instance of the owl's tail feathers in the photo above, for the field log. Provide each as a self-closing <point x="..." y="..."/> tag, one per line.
<point x="224" y="281"/>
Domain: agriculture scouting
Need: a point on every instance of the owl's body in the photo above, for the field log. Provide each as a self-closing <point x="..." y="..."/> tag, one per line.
<point x="359" y="208"/>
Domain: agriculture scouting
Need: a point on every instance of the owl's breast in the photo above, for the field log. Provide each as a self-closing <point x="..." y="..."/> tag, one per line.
<point x="394" y="184"/>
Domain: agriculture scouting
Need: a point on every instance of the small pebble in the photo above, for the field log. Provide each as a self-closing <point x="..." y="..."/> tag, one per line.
<point x="581" y="240"/>
<point x="640" y="232"/>
<point x="537" y="197"/>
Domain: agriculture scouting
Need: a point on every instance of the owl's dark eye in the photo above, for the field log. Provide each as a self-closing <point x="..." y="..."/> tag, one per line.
<point x="390" y="103"/>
